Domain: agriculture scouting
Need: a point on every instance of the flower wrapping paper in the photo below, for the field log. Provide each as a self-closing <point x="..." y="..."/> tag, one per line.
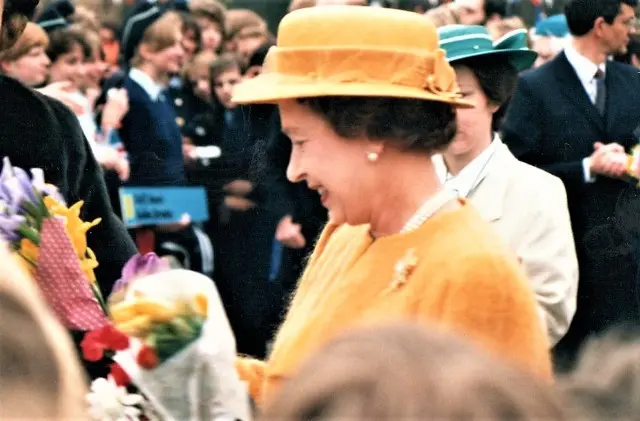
<point x="62" y="282"/>
<point x="200" y="382"/>
<point x="196" y="384"/>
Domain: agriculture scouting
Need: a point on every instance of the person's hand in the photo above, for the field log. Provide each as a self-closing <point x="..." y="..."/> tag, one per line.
<point x="111" y="159"/>
<point x="239" y="187"/>
<point x="609" y="160"/>
<point x="107" y="156"/>
<point x="92" y="95"/>
<point x="238" y="203"/>
<point x="116" y="107"/>
<point x="289" y="233"/>
<point x="62" y="91"/>
<point x="189" y="153"/>
<point x="122" y="168"/>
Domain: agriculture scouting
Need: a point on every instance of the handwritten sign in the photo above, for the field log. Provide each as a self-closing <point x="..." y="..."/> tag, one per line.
<point x="162" y="205"/>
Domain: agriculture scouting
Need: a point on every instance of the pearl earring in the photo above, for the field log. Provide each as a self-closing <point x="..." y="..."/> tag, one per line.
<point x="372" y="156"/>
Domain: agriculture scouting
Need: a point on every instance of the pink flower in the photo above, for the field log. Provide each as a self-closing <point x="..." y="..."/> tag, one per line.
<point x="139" y="266"/>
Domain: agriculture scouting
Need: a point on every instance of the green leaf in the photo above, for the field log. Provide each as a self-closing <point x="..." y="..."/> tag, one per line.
<point x="98" y="294"/>
<point x="162" y="330"/>
<point x="32" y="209"/>
<point x="45" y="211"/>
<point x="29" y="233"/>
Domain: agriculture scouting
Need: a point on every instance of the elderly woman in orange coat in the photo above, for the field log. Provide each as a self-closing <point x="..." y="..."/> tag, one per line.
<point x="365" y="110"/>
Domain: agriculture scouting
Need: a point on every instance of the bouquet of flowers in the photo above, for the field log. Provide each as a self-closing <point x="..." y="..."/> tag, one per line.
<point x="49" y="238"/>
<point x="171" y="343"/>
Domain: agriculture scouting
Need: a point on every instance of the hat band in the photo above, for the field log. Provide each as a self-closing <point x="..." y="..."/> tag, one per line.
<point x="422" y="70"/>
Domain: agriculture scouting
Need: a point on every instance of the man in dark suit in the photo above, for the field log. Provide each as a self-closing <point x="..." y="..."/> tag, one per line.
<point x="575" y="116"/>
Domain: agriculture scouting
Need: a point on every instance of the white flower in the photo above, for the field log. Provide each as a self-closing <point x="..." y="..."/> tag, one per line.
<point x="110" y="402"/>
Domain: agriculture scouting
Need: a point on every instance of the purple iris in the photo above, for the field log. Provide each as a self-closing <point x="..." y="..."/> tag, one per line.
<point x="15" y="187"/>
<point x="17" y="191"/>
<point x="9" y="225"/>
<point x="39" y="184"/>
<point x="139" y="266"/>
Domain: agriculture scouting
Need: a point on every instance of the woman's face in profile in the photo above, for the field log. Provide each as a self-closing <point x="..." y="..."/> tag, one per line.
<point x="199" y="78"/>
<point x="69" y="66"/>
<point x="224" y="84"/>
<point x="337" y="168"/>
<point x="31" y="69"/>
<point x="471" y="122"/>
<point x="95" y="70"/>
<point x="210" y="34"/>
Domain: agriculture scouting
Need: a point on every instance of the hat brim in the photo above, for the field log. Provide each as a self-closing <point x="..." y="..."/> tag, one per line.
<point x="271" y="88"/>
<point x="520" y="59"/>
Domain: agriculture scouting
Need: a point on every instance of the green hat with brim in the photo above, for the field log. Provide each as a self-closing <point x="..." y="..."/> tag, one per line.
<point x="466" y="41"/>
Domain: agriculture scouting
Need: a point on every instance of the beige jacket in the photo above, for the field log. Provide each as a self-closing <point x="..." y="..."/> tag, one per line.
<point x="528" y="207"/>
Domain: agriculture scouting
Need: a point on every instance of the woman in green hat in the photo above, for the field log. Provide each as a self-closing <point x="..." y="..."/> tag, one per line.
<point x="526" y="205"/>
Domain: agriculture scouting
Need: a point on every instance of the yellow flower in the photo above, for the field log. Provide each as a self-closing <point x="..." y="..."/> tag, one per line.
<point x="29" y="253"/>
<point x="76" y="229"/>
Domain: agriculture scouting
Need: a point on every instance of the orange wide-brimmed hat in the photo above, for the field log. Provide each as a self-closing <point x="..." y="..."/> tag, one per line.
<point x="353" y="51"/>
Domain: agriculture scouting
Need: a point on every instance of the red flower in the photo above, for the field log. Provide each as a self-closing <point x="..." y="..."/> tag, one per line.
<point x="147" y="358"/>
<point x="92" y="346"/>
<point x="119" y="375"/>
<point x="107" y="338"/>
<point x="115" y="339"/>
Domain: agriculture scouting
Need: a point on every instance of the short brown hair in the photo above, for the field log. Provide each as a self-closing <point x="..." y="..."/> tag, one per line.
<point x="410" y="124"/>
<point x="406" y="372"/>
<point x="62" y="41"/>
<point x="160" y="35"/>
<point x="86" y="18"/>
<point x="300" y="4"/>
<point x="239" y="20"/>
<point x="201" y="62"/>
<point x="210" y="9"/>
<point x="224" y="63"/>
<point x="33" y="36"/>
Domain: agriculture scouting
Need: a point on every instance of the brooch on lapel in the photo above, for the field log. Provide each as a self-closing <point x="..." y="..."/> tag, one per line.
<point x="403" y="269"/>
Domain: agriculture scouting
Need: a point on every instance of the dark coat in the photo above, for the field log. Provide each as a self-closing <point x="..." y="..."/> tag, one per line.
<point x="37" y="131"/>
<point x="552" y="124"/>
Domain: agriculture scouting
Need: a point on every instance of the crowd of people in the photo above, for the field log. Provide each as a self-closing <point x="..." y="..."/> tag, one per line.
<point x="432" y="221"/>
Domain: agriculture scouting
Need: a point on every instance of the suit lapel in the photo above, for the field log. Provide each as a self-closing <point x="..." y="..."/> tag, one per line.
<point x="616" y="89"/>
<point x="572" y="88"/>
<point x="488" y="196"/>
